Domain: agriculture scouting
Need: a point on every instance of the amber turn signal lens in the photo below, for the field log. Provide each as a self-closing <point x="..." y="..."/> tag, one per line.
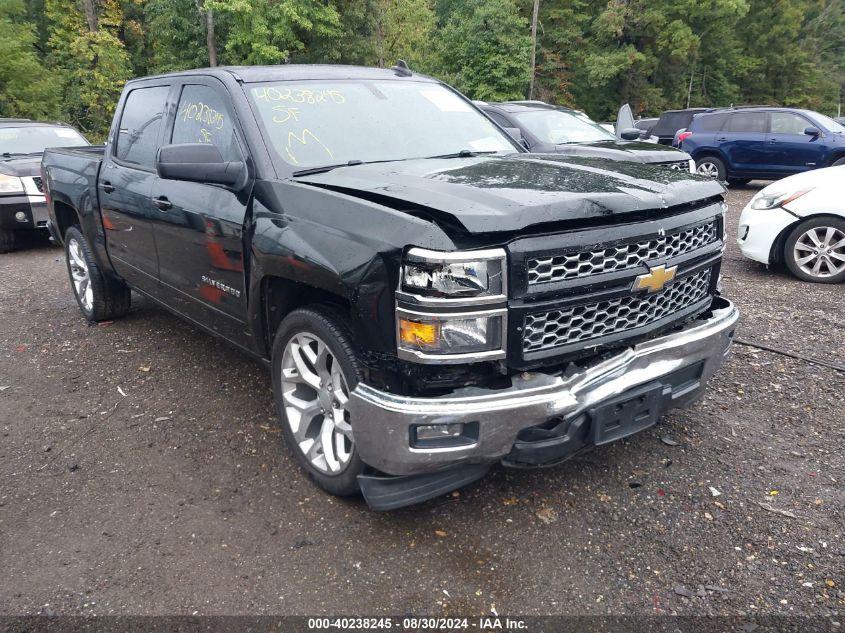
<point x="414" y="333"/>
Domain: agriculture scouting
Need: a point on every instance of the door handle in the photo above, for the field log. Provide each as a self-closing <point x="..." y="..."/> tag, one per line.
<point x="773" y="140"/>
<point x="107" y="187"/>
<point x="722" y="140"/>
<point x="162" y="203"/>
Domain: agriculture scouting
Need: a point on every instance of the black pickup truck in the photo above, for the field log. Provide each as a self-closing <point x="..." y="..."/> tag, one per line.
<point x="430" y="298"/>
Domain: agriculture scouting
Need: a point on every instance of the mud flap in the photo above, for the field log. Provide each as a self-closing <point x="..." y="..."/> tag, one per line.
<point x="389" y="493"/>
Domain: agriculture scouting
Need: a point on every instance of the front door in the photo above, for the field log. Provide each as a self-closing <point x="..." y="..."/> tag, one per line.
<point x="198" y="227"/>
<point x="125" y="186"/>
<point x="793" y="151"/>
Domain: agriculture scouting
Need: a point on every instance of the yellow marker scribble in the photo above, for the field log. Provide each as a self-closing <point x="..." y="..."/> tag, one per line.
<point x="205" y="136"/>
<point x="287" y="112"/>
<point x="303" y="139"/>
<point x="297" y="95"/>
<point x="203" y="114"/>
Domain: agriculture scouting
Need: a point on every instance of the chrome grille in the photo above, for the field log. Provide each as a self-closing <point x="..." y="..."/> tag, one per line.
<point x="39" y="184"/>
<point x="564" y="326"/>
<point x="627" y="255"/>
<point x="678" y="165"/>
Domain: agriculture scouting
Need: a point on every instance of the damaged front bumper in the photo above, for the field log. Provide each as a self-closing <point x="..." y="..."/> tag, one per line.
<point x="543" y="418"/>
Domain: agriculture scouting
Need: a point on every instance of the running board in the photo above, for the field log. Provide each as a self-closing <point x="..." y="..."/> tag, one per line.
<point x="391" y="492"/>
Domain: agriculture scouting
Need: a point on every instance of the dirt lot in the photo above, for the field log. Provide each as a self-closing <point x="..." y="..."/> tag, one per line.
<point x="141" y="473"/>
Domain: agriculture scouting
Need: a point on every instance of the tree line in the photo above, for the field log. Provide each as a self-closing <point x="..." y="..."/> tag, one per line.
<point x="68" y="59"/>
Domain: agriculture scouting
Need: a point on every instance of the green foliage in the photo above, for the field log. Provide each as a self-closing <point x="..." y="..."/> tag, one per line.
<point x="70" y="58"/>
<point x="94" y="62"/>
<point x="273" y="31"/>
<point x="26" y="86"/>
<point x="484" y="49"/>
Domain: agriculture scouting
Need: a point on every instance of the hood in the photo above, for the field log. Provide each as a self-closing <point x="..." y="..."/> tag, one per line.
<point x="23" y="166"/>
<point x="639" y="151"/>
<point x="488" y="194"/>
<point x="814" y="178"/>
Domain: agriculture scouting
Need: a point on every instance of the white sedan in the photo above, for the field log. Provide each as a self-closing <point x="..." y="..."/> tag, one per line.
<point x="799" y="221"/>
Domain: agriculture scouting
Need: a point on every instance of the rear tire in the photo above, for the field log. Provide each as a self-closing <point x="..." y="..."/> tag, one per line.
<point x="314" y="371"/>
<point x="8" y="240"/>
<point x="100" y="298"/>
<point x="711" y="167"/>
<point x="815" y="250"/>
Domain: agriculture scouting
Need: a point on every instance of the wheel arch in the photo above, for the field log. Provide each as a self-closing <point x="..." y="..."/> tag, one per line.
<point x="776" y="255"/>
<point x="66" y="217"/>
<point x="279" y="296"/>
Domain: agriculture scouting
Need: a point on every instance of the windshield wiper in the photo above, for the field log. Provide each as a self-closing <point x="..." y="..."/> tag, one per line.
<point x="350" y="163"/>
<point x="464" y="153"/>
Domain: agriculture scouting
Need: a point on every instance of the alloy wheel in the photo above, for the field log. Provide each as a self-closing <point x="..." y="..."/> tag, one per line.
<point x="708" y="169"/>
<point x="80" y="276"/>
<point x="315" y="394"/>
<point x="820" y="251"/>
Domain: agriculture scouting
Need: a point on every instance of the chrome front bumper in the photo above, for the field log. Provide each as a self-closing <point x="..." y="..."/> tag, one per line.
<point x="382" y="421"/>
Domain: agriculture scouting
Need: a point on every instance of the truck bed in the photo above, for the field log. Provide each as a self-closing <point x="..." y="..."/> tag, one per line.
<point x="72" y="174"/>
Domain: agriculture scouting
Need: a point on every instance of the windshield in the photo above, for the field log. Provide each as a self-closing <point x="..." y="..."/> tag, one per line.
<point x="559" y="126"/>
<point x="34" y="139"/>
<point x="827" y="123"/>
<point x="317" y="123"/>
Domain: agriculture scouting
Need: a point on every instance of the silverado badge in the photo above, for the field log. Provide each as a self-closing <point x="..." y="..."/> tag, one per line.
<point x="655" y="279"/>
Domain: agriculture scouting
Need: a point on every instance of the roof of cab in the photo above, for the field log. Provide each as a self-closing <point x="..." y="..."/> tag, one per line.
<point x="526" y="106"/>
<point x="296" y="72"/>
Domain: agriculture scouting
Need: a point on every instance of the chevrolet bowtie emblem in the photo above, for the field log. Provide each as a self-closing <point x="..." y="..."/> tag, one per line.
<point x="656" y="278"/>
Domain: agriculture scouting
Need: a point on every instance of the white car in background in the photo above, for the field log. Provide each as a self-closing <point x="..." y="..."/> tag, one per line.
<point x="799" y="221"/>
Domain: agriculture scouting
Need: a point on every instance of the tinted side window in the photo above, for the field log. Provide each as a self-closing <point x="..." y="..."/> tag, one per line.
<point x="203" y="116"/>
<point x="140" y="124"/>
<point x="788" y="123"/>
<point x="746" y="122"/>
<point x="709" y="122"/>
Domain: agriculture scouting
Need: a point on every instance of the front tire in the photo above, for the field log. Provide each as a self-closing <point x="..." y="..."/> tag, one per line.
<point x="8" y="240"/>
<point x="815" y="250"/>
<point x="314" y="371"/>
<point x="838" y="162"/>
<point x="99" y="298"/>
<point x="711" y="167"/>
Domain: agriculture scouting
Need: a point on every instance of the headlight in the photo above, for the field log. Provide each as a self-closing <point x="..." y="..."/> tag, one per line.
<point x="451" y="307"/>
<point x="10" y="184"/>
<point x="461" y="336"/>
<point x="772" y="200"/>
<point x="454" y="275"/>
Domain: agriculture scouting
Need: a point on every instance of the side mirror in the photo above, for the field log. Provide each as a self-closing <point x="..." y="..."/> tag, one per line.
<point x="630" y="134"/>
<point x="515" y="134"/>
<point x="811" y="131"/>
<point x="199" y="162"/>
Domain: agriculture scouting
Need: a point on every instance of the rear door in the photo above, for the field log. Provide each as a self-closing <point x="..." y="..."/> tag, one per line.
<point x="743" y="142"/>
<point x="199" y="228"/>
<point x="791" y="150"/>
<point x="125" y="186"/>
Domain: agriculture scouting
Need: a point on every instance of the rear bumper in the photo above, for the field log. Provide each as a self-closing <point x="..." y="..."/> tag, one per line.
<point x="383" y="421"/>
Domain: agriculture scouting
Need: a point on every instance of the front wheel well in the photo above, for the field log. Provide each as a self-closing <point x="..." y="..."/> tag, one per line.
<point x="776" y="255"/>
<point x="279" y="297"/>
<point x="837" y="156"/>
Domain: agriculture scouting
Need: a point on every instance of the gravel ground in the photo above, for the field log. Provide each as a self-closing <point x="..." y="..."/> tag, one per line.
<point x="179" y="497"/>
